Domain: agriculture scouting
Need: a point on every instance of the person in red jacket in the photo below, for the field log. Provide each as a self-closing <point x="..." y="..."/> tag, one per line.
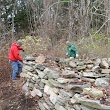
<point x="15" y="59"/>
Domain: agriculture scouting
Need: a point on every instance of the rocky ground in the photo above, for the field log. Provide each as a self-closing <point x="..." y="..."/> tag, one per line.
<point x="49" y="83"/>
<point x="68" y="84"/>
<point x="11" y="95"/>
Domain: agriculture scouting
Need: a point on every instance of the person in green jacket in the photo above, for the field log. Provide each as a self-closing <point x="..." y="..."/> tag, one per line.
<point x="71" y="50"/>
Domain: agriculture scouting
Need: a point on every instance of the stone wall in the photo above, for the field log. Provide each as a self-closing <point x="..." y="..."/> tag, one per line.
<point x="68" y="84"/>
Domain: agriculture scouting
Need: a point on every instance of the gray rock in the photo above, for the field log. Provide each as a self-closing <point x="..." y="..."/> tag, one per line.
<point x="86" y="108"/>
<point x="30" y="86"/>
<point x="47" y="82"/>
<point x="41" y="106"/>
<point x="59" y="107"/>
<point x="105" y="71"/>
<point x="48" y="90"/>
<point x="69" y="74"/>
<point x="90" y="66"/>
<point x="72" y="64"/>
<point x="41" y="84"/>
<point x="93" y="92"/>
<point x="90" y="74"/>
<point x="96" y="68"/>
<point x="77" y="107"/>
<point x="46" y="106"/>
<point x="40" y="74"/>
<point x="29" y="68"/>
<point x="66" y="94"/>
<point x="23" y="75"/>
<point x="62" y="80"/>
<point x="36" y="92"/>
<point x="101" y="82"/>
<point x="91" y="103"/>
<point x="24" y="70"/>
<point x="61" y="100"/>
<point x="40" y="67"/>
<point x="53" y="97"/>
<point x="81" y="68"/>
<point x="25" y="87"/>
<point x="29" y="58"/>
<point x="97" y="62"/>
<point x="46" y="98"/>
<point x="51" y="73"/>
<point x="104" y="64"/>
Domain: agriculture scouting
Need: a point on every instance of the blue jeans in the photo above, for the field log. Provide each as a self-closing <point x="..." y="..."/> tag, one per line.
<point x="16" y="68"/>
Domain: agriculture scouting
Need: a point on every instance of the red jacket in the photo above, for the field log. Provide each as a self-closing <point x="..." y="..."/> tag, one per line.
<point x="14" y="53"/>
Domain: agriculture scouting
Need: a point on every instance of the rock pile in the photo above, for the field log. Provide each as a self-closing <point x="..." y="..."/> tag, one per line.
<point x="68" y="84"/>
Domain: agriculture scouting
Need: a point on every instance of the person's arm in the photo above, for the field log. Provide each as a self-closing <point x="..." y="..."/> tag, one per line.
<point x="20" y="48"/>
<point x="73" y="48"/>
<point x="16" y="54"/>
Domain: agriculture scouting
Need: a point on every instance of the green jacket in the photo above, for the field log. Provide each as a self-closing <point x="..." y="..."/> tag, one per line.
<point x="72" y="51"/>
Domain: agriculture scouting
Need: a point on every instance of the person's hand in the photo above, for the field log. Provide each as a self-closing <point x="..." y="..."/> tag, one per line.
<point x="77" y="55"/>
<point x="23" y="50"/>
<point x="9" y="61"/>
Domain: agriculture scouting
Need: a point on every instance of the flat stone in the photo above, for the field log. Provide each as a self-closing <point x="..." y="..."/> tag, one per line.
<point x="29" y="68"/>
<point x="97" y="62"/>
<point x="90" y="74"/>
<point x="69" y="74"/>
<point x="22" y="74"/>
<point x="24" y="70"/>
<point x="86" y="108"/>
<point x="41" y="106"/>
<point x="48" y="90"/>
<point x="40" y="74"/>
<point x="59" y="107"/>
<point x="62" y="80"/>
<point x="55" y="90"/>
<point x="81" y="67"/>
<point x="47" y="82"/>
<point x="66" y="94"/>
<point x="53" y="98"/>
<point x="101" y="82"/>
<point x="90" y="66"/>
<point x="46" y="106"/>
<point x="41" y="84"/>
<point x="104" y="64"/>
<point x="36" y="76"/>
<point x="40" y="59"/>
<point x="39" y="67"/>
<point x="105" y="71"/>
<point x="56" y="84"/>
<point x="30" y="74"/>
<point x="73" y="101"/>
<point x="89" y="80"/>
<point x="93" y="92"/>
<point x="30" y="85"/>
<point x="51" y="73"/>
<point x="61" y="100"/>
<point x="25" y="87"/>
<point x="77" y="107"/>
<point x="91" y="103"/>
<point x="95" y="68"/>
<point x="30" y="58"/>
<point x="36" y="92"/>
<point x="72" y="64"/>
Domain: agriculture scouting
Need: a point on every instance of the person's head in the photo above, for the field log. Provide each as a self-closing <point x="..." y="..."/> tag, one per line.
<point x="19" y="42"/>
<point x="68" y="43"/>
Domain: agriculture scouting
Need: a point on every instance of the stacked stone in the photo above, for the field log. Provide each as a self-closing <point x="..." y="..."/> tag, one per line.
<point x="68" y="86"/>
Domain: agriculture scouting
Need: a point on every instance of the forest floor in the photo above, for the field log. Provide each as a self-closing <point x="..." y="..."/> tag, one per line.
<point x="11" y="95"/>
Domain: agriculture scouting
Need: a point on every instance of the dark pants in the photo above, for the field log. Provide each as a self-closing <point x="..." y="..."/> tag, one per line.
<point x="16" y="69"/>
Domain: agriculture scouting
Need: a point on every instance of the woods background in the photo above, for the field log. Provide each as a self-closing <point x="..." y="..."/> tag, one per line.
<point x="86" y="22"/>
